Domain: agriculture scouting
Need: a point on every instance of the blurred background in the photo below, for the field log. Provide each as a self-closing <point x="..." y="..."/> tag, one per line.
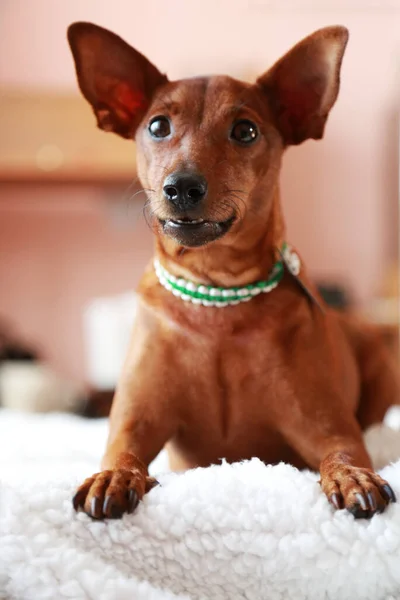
<point x="73" y="238"/>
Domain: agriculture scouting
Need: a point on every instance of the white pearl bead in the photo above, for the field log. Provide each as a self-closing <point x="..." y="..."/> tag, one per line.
<point x="243" y="292"/>
<point x="228" y="293"/>
<point x="202" y="289"/>
<point x="214" y="292"/>
<point x="255" y="291"/>
<point x="191" y="287"/>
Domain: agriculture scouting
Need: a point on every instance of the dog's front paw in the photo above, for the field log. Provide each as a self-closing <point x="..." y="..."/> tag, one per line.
<point x="361" y="491"/>
<point x="110" y="494"/>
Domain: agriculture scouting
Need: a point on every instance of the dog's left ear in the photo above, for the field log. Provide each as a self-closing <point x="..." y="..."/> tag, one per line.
<point x="303" y="85"/>
<point x="115" y="79"/>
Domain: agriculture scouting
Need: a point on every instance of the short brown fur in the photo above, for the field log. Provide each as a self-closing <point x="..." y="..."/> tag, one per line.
<point x="276" y="377"/>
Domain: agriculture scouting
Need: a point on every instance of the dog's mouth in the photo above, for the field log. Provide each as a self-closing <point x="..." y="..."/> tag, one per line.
<point x="195" y="232"/>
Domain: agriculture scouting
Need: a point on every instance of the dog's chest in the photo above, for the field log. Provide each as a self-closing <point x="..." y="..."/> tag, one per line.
<point x="232" y="366"/>
<point x="231" y="392"/>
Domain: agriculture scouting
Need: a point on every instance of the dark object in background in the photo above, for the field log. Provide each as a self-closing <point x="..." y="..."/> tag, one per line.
<point x="17" y="353"/>
<point x="97" y="404"/>
<point x="11" y="349"/>
<point x="335" y="296"/>
<point x="14" y="351"/>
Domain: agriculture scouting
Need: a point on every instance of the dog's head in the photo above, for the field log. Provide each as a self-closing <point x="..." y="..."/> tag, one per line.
<point x="208" y="149"/>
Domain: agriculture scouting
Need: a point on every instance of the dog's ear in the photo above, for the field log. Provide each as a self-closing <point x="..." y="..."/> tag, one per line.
<point x="303" y="85"/>
<point x="115" y="79"/>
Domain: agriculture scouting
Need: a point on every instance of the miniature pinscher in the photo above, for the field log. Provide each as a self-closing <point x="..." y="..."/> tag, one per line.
<point x="233" y="353"/>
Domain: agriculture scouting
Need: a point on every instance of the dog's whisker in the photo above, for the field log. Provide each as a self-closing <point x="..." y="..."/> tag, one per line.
<point x="145" y="191"/>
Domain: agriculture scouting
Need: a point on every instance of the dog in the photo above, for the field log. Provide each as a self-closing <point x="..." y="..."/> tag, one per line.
<point x="233" y="353"/>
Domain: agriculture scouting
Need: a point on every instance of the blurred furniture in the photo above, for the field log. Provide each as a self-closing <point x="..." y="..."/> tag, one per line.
<point x="71" y="223"/>
<point x="385" y="307"/>
<point x="107" y="324"/>
<point x="54" y="138"/>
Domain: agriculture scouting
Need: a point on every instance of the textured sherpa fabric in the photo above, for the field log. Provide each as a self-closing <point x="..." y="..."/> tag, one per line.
<point x="243" y="531"/>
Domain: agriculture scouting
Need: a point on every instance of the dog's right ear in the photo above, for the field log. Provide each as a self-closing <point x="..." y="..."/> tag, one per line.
<point x="115" y="79"/>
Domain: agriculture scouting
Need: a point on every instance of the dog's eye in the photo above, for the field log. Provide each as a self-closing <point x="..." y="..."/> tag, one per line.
<point x="160" y="127"/>
<point x="244" y="132"/>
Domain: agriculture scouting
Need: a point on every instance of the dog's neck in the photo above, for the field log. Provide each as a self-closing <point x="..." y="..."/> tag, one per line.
<point x="238" y="260"/>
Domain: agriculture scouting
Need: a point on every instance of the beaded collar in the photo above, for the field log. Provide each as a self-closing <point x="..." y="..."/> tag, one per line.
<point x="207" y="295"/>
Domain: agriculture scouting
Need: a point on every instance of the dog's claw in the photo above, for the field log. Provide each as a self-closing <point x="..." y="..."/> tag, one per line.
<point x="358" y="512"/>
<point x="335" y="500"/>
<point x="110" y="509"/>
<point x="362" y="501"/>
<point x="389" y="493"/>
<point x="95" y="508"/>
<point x="78" y="500"/>
<point x="133" y="501"/>
<point x="372" y="502"/>
<point x="151" y="482"/>
<point x="360" y="509"/>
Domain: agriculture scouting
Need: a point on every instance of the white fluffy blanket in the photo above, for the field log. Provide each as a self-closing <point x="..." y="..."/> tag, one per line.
<point x="244" y="531"/>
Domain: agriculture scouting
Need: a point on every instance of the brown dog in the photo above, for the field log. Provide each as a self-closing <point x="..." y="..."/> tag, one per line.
<point x="208" y="373"/>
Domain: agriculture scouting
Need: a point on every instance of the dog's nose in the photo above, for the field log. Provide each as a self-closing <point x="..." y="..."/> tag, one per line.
<point x="185" y="190"/>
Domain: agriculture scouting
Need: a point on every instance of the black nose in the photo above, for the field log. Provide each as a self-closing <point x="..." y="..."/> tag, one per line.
<point x="185" y="190"/>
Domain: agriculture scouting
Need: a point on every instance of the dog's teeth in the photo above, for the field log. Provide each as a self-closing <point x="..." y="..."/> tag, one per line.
<point x="188" y="222"/>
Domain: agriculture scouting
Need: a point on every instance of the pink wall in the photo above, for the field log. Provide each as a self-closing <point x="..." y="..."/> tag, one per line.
<point x="56" y="253"/>
<point x="340" y="194"/>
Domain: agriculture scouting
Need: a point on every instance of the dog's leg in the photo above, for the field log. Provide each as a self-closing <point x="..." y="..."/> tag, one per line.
<point x="334" y="445"/>
<point x="137" y="434"/>
<point x="142" y="420"/>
